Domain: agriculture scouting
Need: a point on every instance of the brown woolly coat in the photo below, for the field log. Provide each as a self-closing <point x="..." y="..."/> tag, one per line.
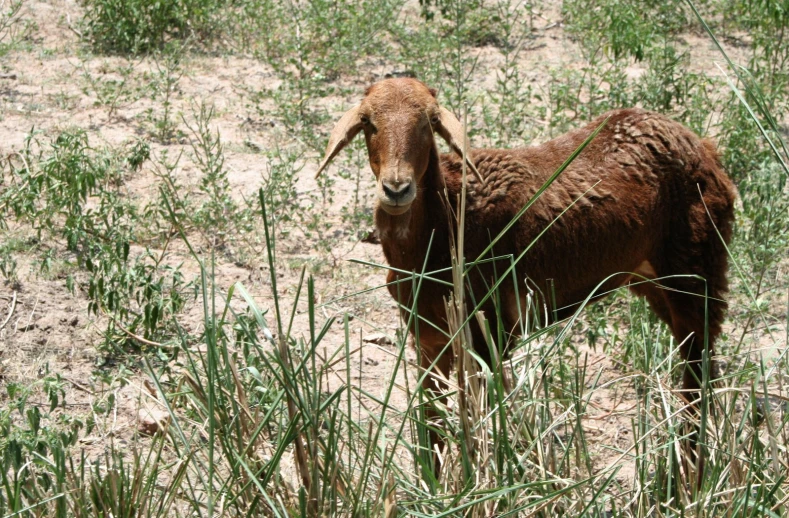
<point x="635" y="196"/>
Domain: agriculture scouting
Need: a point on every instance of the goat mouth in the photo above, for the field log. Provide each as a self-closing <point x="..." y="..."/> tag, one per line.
<point x="395" y="210"/>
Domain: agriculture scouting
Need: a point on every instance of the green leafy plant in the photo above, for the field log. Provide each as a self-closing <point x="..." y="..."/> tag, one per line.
<point x="218" y="214"/>
<point x="139" y="26"/>
<point x="114" y="91"/>
<point x="34" y="444"/>
<point x="10" y="30"/>
<point x="164" y="85"/>
<point x="71" y="191"/>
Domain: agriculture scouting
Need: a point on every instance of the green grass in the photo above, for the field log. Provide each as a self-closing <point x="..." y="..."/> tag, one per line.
<point x="265" y="420"/>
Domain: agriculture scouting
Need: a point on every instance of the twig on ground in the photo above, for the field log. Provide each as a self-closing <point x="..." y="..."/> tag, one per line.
<point x="72" y="27"/>
<point x="131" y="335"/>
<point x="10" y="311"/>
<point x="79" y="386"/>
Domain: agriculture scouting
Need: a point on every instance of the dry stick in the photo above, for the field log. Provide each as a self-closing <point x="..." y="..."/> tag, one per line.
<point x="72" y="27"/>
<point x="458" y="300"/>
<point x="127" y="332"/>
<point x="390" y="498"/>
<point x="10" y="311"/>
<point x="301" y="456"/>
<point x="79" y="386"/>
<point x="29" y="317"/>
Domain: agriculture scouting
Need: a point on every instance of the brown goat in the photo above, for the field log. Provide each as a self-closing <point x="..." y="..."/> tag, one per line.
<point x="651" y="199"/>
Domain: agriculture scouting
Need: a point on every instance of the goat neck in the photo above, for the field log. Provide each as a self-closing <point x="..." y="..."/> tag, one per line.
<point x="405" y="237"/>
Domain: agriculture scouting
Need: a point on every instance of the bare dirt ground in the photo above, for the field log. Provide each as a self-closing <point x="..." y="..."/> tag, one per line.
<point x="49" y="329"/>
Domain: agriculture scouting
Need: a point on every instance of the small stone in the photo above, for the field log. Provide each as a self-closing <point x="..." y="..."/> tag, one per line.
<point x="151" y="421"/>
<point x="47" y="322"/>
<point x="150" y="387"/>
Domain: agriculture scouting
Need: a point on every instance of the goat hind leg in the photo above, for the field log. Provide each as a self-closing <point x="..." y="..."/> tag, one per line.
<point x="656" y="298"/>
<point x="696" y="323"/>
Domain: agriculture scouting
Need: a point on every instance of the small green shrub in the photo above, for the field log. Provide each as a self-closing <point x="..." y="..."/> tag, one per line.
<point x="49" y="188"/>
<point x="217" y="210"/>
<point x="8" y="263"/>
<point x="767" y="23"/>
<point x="162" y="124"/>
<point x="669" y="87"/>
<point x="310" y="44"/>
<point x="623" y="28"/>
<point x="279" y="188"/>
<point x="140" y="26"/>
<point x="10" y="29"/>
<point x="34" y="441"/>
<point x="111" y="92"/>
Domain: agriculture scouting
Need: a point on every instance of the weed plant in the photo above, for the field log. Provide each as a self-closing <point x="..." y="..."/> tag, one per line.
<point x="114" y="93"/>
<point x="164" y="83"/>
<point x="140" y="26"/>
<point x="11" y="30"/>
<point x="68" y="191"/>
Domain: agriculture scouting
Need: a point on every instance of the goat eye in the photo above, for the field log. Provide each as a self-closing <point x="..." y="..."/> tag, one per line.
<point x="434" y="120"/>
<point x="365" y="119"/>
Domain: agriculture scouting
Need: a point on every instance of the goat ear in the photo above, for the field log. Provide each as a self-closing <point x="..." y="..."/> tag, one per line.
<point x="451" y="130"/>
<point x="344" y="131"/>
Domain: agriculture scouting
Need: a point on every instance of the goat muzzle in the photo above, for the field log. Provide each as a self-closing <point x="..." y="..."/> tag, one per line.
<point x="396" y="196"/>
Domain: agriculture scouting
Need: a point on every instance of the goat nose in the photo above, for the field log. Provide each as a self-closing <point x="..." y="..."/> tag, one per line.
<point x="396" y="190"/>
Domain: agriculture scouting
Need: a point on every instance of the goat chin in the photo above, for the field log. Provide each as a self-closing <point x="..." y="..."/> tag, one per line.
<point x="394" y="210"/>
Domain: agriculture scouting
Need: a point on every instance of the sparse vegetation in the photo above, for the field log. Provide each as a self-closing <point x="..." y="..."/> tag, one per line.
<point x="164" y="248"/>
